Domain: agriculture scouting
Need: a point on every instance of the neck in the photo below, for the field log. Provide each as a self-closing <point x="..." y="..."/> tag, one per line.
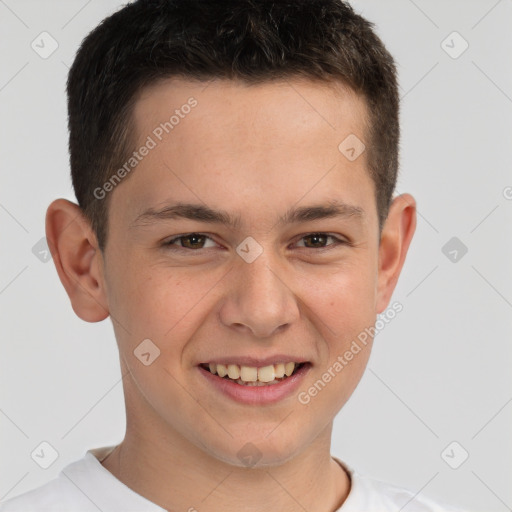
<point x="176" y="474"/>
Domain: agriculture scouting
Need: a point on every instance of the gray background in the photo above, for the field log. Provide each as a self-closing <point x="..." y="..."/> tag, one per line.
<point x="440" y="371"/>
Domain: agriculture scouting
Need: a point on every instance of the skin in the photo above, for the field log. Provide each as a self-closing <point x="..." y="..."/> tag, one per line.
<point x="254" y="151"/>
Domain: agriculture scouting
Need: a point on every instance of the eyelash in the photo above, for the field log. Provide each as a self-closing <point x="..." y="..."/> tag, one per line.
<point x="337" y="242"/>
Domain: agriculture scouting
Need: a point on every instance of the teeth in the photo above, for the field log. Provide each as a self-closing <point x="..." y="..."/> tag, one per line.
<point x="253" y="376"/>
<point x="288" y="368"/>
<point x="221" y="370"/>
<point x="279" y="370"/>
<point x="249" y="373"/>
<point x="266" y="373"/>
<point x="257" y="383"/>
<point x="233" y="371"/>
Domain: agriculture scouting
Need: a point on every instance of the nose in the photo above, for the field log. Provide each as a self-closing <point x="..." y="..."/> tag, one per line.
<point x="259" y="298"/>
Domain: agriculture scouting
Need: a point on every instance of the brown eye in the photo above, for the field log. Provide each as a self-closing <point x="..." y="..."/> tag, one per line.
<point x="319" y="241"/>
<point x="190" y="241"/>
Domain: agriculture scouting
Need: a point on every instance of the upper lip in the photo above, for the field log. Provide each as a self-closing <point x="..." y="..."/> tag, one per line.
<point x="256" y="361"/>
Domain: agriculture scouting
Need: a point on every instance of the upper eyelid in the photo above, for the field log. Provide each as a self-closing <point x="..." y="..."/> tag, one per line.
<point x="337" y="238"/>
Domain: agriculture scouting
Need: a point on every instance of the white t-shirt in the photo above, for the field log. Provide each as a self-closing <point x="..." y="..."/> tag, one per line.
<point x="86" y="486"/>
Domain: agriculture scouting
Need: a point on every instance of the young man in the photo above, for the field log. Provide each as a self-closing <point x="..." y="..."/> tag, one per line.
<point x="234" y="164"/>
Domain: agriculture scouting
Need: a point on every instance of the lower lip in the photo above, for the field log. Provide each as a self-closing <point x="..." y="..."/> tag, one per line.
<point x="257" y="395"/>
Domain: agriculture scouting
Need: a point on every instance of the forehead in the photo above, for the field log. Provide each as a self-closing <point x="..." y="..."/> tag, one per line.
<point x="265" y="145"/>
<point x="264" y="107"/>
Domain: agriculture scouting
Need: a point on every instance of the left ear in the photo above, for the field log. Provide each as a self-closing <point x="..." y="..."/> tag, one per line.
<point x="396" y="237"/>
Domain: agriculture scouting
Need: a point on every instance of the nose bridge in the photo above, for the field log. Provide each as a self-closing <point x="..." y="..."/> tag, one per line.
<point x="259" y="296"/>
<point x="264" y="275"/>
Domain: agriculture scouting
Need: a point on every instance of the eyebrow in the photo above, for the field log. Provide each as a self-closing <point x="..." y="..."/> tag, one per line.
<point x="203" y="213"/>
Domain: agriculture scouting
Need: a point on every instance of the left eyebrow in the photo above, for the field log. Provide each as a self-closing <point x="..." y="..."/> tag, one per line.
<point x="203" y="213"/>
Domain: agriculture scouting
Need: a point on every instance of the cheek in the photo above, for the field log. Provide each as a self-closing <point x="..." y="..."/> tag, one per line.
<point x="162" y="303"/>
<point x="344" y="308"/>
<point x="343" y="299"/>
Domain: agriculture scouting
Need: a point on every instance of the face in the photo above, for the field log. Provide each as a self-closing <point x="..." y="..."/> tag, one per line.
<point x="268" y="289"/>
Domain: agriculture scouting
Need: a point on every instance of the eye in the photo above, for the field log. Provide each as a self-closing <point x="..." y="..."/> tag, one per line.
<point x="196" y="241"/>
<point x="189" y="241"/>
<point x="321" y="238"/>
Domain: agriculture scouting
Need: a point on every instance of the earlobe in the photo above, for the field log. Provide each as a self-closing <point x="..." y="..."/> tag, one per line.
<point x="77" y="259"/>
<point x="395" y="240"/>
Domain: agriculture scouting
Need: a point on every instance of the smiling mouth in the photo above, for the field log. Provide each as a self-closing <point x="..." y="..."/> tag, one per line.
<point x="254" y="376"/>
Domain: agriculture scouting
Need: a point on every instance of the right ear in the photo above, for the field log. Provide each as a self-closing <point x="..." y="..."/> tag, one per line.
<point x="78" y="259"/>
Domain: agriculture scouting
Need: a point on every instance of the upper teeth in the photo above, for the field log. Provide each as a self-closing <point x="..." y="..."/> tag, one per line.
<point x="252" y="373"/>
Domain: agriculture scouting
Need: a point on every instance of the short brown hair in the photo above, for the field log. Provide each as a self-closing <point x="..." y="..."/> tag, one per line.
<point x="249" y="40"/>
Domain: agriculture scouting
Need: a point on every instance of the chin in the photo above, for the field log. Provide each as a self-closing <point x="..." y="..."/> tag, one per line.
<point x="259" y="451"/>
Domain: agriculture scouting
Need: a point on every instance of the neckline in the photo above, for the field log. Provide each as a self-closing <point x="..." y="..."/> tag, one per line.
<point x="101" y="453"/>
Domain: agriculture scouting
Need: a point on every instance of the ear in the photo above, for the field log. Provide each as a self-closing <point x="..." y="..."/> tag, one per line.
<point x="77" y="258"/>
<point x="396" y="237"/>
